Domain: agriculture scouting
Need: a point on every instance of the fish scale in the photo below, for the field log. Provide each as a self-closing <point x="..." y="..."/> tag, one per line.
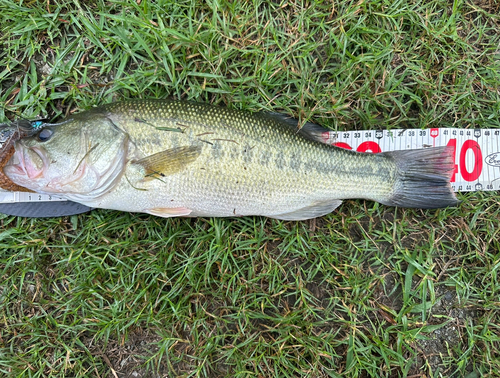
<point x="281" y="141"/>
<point x="173" y="158"/>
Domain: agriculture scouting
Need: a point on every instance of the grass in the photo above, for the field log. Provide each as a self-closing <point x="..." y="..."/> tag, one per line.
<point x="367" y="291"/>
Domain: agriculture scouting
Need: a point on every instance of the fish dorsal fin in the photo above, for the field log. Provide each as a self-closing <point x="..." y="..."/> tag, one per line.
<point x="309" y="130"/>
<point x="168" y="162"/>
<point x="314" y="210"/>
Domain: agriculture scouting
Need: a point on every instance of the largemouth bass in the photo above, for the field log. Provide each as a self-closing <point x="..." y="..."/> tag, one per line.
<point x="172" y="158"/>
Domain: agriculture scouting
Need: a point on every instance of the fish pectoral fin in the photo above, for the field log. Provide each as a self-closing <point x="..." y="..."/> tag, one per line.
<point x="315" y="210"/>
<point x="167" y="212"/>
<point x="168" y="162"/>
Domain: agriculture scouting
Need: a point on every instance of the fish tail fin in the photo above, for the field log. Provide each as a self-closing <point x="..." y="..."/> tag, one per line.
<point x="423" y="178"/>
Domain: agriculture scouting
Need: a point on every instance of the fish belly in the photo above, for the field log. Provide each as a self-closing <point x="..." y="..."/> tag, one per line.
<point x="225" y="182"/>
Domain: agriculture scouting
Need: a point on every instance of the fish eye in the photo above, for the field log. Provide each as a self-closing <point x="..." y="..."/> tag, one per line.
<point x="45" y="134"/>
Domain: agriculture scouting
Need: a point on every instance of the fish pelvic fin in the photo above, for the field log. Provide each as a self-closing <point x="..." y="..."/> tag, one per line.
<point x="423" y="178"/>
<point x="169" y="212"/>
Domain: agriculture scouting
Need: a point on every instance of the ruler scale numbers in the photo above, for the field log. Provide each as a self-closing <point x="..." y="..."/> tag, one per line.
<point x="476" y="157"/>
<point x="13" y="197"/>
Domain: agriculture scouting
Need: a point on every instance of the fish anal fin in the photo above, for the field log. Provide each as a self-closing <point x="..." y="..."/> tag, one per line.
<point x="167" y="212"/>
<point x="315" y="210"/>
<point x="168" y="162"/>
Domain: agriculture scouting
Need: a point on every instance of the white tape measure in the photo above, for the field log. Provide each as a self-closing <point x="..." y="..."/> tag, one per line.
<point x="477" y="151"/>
<point x="12" y="197"/>
<point x="477" y="154"/>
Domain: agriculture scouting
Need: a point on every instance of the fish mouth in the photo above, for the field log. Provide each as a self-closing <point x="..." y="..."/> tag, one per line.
<point x="31" y="162"/>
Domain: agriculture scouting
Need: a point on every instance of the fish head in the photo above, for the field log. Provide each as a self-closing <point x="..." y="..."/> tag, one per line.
<point x="82" y="156"/>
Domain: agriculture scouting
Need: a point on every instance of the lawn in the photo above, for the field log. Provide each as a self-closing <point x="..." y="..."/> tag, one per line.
<point x="367" y="291"/>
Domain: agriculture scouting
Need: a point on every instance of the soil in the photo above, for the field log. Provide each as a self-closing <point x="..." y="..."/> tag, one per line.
<point x="127" y="358"/>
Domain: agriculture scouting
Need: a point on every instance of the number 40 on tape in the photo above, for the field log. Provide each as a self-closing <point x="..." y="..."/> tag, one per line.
<point x="476" y="152"/>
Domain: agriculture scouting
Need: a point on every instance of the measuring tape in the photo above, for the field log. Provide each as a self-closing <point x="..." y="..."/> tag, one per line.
<point x="476" y="151"/>
<point x="12" y="197"/>
<point x="477" y="154"/>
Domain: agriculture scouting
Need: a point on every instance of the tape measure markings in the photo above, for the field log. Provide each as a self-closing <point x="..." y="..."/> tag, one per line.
<point x="13" y="197"/>
<point x="476" y="158"/>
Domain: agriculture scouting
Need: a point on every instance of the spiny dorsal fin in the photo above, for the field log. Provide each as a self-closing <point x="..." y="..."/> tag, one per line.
<point x="168" y="162"/>
<point x="309" y="130"/>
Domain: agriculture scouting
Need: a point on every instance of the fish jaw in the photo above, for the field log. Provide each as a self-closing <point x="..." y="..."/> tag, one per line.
<point x="27" y="163"/>
<point x="29" y="166"/>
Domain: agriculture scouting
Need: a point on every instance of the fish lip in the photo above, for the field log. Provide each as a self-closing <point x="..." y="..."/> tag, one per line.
<point x="23" y="165"/>
<point x="16" y="162"/>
